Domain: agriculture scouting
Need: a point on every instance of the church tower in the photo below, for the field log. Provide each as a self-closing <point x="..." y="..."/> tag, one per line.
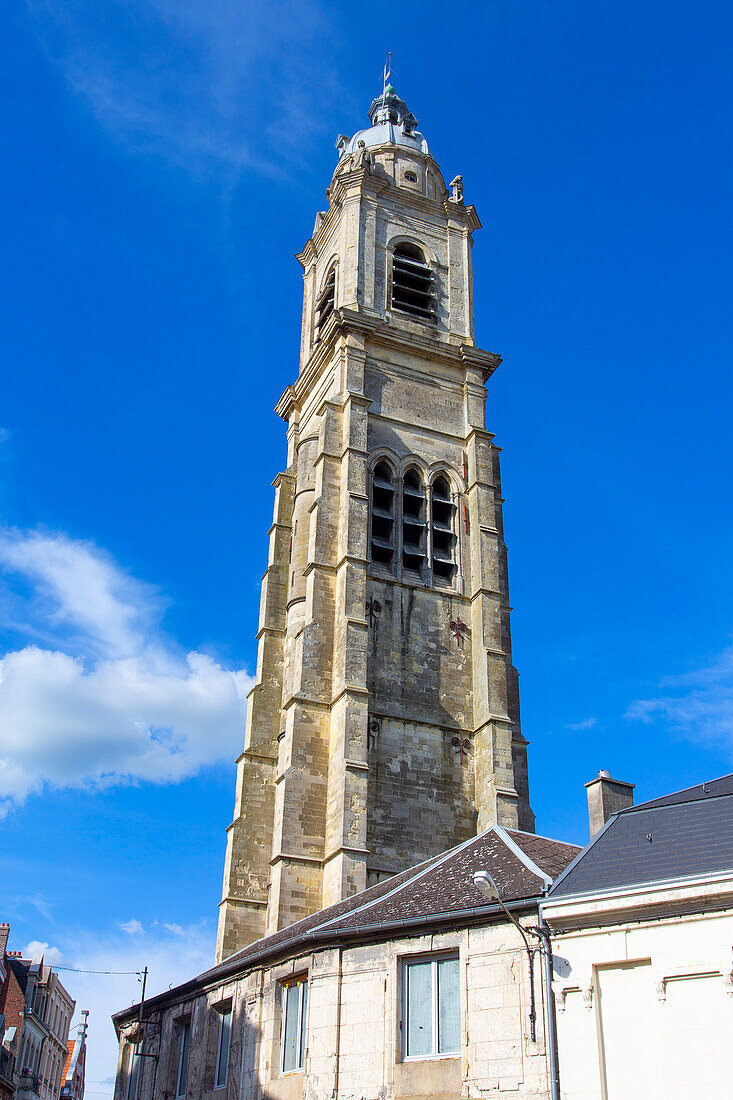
<point x="383" y="727"/>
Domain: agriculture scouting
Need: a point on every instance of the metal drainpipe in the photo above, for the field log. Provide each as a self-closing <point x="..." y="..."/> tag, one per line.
<point x="338" y="1024"/>
<point x="544" y="933"/>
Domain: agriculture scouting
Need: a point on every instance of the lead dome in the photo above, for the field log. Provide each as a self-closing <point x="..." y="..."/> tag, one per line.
<point x="391" y="122"/>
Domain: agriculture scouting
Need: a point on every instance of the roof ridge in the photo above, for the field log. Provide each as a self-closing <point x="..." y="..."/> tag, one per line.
<point x="665" y="798"/>
<point x="541" y="836"/>
<point x="519" y="852"/>
<point x="411" y="881"/>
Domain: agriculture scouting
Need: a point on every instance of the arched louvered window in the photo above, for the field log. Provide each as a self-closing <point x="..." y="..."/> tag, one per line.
<point x="413" y="521"/>
<point x="442" y="523"/>
<point x="326" y="302"/>
<point x="413" y="289"/>
<point x="383" y="502"/>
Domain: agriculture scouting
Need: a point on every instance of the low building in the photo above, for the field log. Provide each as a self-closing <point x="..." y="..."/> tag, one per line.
<point x="414" y="987"/>
<point x="642" y="932"/>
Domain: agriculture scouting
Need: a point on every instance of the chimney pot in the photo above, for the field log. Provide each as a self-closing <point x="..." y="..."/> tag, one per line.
<point x="606" y="796"/>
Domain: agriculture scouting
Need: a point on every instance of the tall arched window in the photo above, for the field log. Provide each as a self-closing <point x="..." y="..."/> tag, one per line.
<point x="413" y="521"/>
<point x="326" y="302"/>
<point x="383" y="501"/>
<point x="443" y="522"/>
<point x="413" y="289"/>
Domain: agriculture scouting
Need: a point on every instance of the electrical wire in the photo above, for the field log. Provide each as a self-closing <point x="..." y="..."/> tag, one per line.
<point x="75" y="970"/>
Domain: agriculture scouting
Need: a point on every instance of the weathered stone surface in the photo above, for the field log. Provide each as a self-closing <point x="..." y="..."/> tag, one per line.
<point x="360" y="719"/>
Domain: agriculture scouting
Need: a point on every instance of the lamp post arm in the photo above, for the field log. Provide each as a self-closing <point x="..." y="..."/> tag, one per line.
<point x="516" y="923"/>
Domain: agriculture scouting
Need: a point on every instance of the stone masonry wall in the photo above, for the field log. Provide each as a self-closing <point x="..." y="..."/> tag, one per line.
<point x="354" y="1028"/>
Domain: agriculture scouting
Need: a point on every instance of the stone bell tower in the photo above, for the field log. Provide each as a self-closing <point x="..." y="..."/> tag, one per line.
<point x="383" y="727"/>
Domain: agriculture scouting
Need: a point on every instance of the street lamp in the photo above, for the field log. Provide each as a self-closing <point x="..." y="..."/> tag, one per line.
<point x="485" y="884"/>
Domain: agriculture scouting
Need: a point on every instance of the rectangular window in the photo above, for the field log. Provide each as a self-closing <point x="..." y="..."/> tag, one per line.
<point x="184" y="1035"/>
<point x="294" y="1008"/>
<point x="222" y="1047"/>
<point x="432" y="1007"/>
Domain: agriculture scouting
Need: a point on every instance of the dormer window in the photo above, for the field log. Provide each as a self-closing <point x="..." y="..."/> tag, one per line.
<point x="413" y="290"/>
<point x="326" y="302"/>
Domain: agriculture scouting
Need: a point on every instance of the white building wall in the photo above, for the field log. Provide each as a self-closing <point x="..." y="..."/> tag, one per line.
<point x="644" y="1007"/>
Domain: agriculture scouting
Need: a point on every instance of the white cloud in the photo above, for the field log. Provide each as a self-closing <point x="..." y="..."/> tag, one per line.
<point x="103" y="696"/>
<point x="36" y="950"/>
<point x="132" y="927"/>
<point x="697" y="705"/>
<point x="586" y="724"/>
<point x="207" y="83"/>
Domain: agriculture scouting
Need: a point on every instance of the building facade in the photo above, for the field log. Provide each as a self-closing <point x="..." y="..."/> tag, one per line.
<point x="385" y="681"/>
<point x="73" y="1076"/>
<point x="642" y="933"/>
<point x="416" y="987"/>
<point x="39" y="1009"/>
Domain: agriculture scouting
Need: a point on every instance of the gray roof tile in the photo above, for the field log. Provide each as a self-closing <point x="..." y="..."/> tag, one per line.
<point x="678" y="836"/>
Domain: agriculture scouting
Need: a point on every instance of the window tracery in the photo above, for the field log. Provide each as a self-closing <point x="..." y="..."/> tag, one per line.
<point x="413" y="524"/>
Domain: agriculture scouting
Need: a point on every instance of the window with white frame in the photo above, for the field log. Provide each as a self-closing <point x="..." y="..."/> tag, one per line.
<point x="431" y="1016"/>
<point x="184" y="1037"/>
<point x="294" y="1009"/>
<point x="222" y="1046"/>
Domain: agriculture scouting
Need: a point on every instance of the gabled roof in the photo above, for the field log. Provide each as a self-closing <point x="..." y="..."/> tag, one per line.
<point x="440" y="889"/>
<point x="682" y="835"/>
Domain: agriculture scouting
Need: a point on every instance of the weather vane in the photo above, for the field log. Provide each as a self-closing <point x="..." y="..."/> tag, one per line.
<point x="387" y="71"/>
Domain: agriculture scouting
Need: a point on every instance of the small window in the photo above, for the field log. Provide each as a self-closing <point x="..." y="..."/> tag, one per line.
<point x="443" y="529"/>
<point x="412" y="283"/>
<point x="184" y="1036"/>
<point x="383" y="496"/>
<point x="222" y="1047"/>
<point x="413" y="522"/>
<point x="326" y="302"/>
<point x="432" y="1012"/>
<point x="410" y="177"/>
<point x="294" y="1008"/>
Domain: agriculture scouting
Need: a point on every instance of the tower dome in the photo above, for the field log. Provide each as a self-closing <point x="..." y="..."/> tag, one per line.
<point x="391" y="122"/>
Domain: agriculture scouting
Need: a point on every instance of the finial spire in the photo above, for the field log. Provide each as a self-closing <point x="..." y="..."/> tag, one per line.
<point x="387" y="71"/>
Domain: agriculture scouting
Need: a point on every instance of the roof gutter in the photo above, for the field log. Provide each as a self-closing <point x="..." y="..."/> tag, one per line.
<point x="323" y="938"/>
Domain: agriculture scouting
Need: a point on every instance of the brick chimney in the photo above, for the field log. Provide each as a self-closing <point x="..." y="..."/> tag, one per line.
<point x="606" y="796"/>
<point x="4" y="933"/>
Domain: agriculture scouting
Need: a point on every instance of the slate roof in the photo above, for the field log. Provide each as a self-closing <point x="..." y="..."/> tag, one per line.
<point x="681" y="835"/>
<point x="521" y="864"/>
<point x="714" y="788"/>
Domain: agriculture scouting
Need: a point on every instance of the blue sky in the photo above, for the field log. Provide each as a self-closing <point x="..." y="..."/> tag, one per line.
<point x="164" y="161"/>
